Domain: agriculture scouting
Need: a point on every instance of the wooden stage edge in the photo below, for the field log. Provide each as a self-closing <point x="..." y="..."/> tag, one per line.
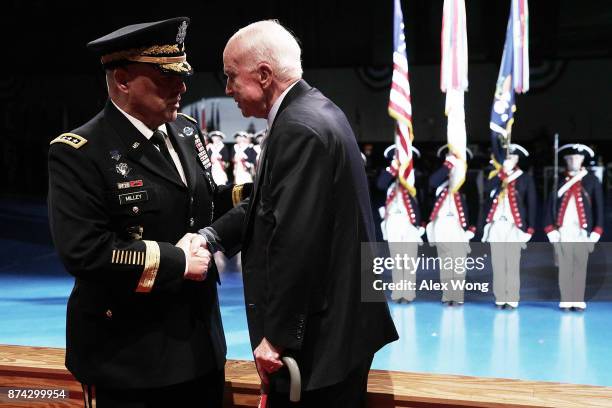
<point x="43" y="368"/>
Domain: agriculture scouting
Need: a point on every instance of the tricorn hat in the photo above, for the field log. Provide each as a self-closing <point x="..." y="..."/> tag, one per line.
<point x="576" y="148"/>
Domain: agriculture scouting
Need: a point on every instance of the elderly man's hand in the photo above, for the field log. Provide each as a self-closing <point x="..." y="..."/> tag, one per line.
<point x="267" y="359"/>
<point x="196" y="255"/>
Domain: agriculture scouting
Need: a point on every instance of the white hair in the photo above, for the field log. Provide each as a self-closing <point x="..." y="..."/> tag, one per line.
<point x="268" y="41"/>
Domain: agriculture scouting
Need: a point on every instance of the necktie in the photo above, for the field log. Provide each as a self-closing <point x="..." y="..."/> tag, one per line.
<point x="159" y="140"/>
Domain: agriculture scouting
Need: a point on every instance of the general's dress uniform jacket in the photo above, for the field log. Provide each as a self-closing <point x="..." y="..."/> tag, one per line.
<point x="301" y="244"/>
<point x="521" y="197"/>
<point x="116" y="210"/>
<point x="589" y="204"/>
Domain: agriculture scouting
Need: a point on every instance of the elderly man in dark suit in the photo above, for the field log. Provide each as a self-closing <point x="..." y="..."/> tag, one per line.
<point x="306" y="219"/>
<point x="143" y="322"/>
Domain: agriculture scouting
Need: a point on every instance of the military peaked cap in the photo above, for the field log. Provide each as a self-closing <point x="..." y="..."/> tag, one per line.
<point x="161" y="43"/>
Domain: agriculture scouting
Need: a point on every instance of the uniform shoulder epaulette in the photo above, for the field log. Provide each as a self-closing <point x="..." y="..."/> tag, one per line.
<point x="71" y="139"/>
<point x="188" y="117"/>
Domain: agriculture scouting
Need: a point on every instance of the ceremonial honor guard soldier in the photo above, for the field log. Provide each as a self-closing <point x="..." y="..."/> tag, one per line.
<point x="259" y="137"/>
<point x="510" y="213"/>
<point x="574" y="222"/>
<point x="143" y="323"/>
<point x="448" y="225"/>
<point x="244" y="159"/>
<point x="401" y="225"/>
<point x="219" y="157"/>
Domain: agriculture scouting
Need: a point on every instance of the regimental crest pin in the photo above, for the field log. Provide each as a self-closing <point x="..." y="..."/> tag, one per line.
<point x="123" y="169"/>
<point x="188" y="131"/>
<point x="182" y="32"/>
<point x="115" y="155"/>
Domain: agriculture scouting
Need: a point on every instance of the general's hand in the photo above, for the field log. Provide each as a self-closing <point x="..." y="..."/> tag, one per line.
<point x="184" y="242"/>
<point x="267" y="359"/>
<point x="197" y="242"/>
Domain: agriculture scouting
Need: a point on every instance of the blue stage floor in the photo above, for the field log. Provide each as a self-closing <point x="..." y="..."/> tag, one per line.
<point x="534" y="342"/>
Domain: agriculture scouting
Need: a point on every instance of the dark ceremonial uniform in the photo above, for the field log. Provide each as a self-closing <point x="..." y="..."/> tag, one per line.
<point x="401" y="228"/>
<point x="135" y="327"/>
<point x="219" y="157"/>
<point x="510" y="213"/>
<point x="588" y="204"/>
<point x="244" y="159"/>
<point x="577" y="216"/>
<point x="448" y="227"/>
<point x="116" y="209"/>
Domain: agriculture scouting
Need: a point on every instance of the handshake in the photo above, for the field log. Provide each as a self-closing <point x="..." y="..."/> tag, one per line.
<point x="197" y="256"/>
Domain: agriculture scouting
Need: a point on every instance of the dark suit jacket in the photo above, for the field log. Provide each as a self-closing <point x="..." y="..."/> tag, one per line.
<point x="112" y="202"/>
<point x="308" y="214"/>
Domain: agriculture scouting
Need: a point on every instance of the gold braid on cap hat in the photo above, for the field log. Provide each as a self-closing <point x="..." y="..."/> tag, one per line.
<point x="148" y="54"/>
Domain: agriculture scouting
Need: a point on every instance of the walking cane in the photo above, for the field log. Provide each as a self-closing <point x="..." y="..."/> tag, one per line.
<point x="295" y="383"/>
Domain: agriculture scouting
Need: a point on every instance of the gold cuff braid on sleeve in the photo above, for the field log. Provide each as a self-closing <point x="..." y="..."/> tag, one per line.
<point x="151" y="266"/>
<point x="236" y="194"/>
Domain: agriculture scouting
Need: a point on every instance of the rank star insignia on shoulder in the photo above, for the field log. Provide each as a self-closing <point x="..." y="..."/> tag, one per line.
<point x="71" y="139"/>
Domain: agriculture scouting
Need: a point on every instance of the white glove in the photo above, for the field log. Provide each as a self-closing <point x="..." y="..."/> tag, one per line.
<point x="452" y="159"/>
<point x="381" y="212"/>
<point x="554" y="236"/>
<point x="421" y="231"/>
<point x="485" y="232"/>
<point x="594" y="237"/>
<point x="383" y="229"/>
<point x="525" y="236"/>
<point x="468" y="235"/>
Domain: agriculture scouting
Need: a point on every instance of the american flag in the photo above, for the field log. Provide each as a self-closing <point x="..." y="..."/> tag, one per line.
<point x="400" y="107"/>
<point x="513" y="77"/>
<point x="454" y="81"/>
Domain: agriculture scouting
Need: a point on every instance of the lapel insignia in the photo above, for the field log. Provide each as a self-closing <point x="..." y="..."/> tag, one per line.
<point x="135" y="145"/>
<point x="188" y="131"/>
<point x="123" y="169"/>
<point x="115" y="155"/>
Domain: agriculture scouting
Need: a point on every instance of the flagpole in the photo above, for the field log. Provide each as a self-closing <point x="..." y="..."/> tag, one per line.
<point x="555" y="177"/>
